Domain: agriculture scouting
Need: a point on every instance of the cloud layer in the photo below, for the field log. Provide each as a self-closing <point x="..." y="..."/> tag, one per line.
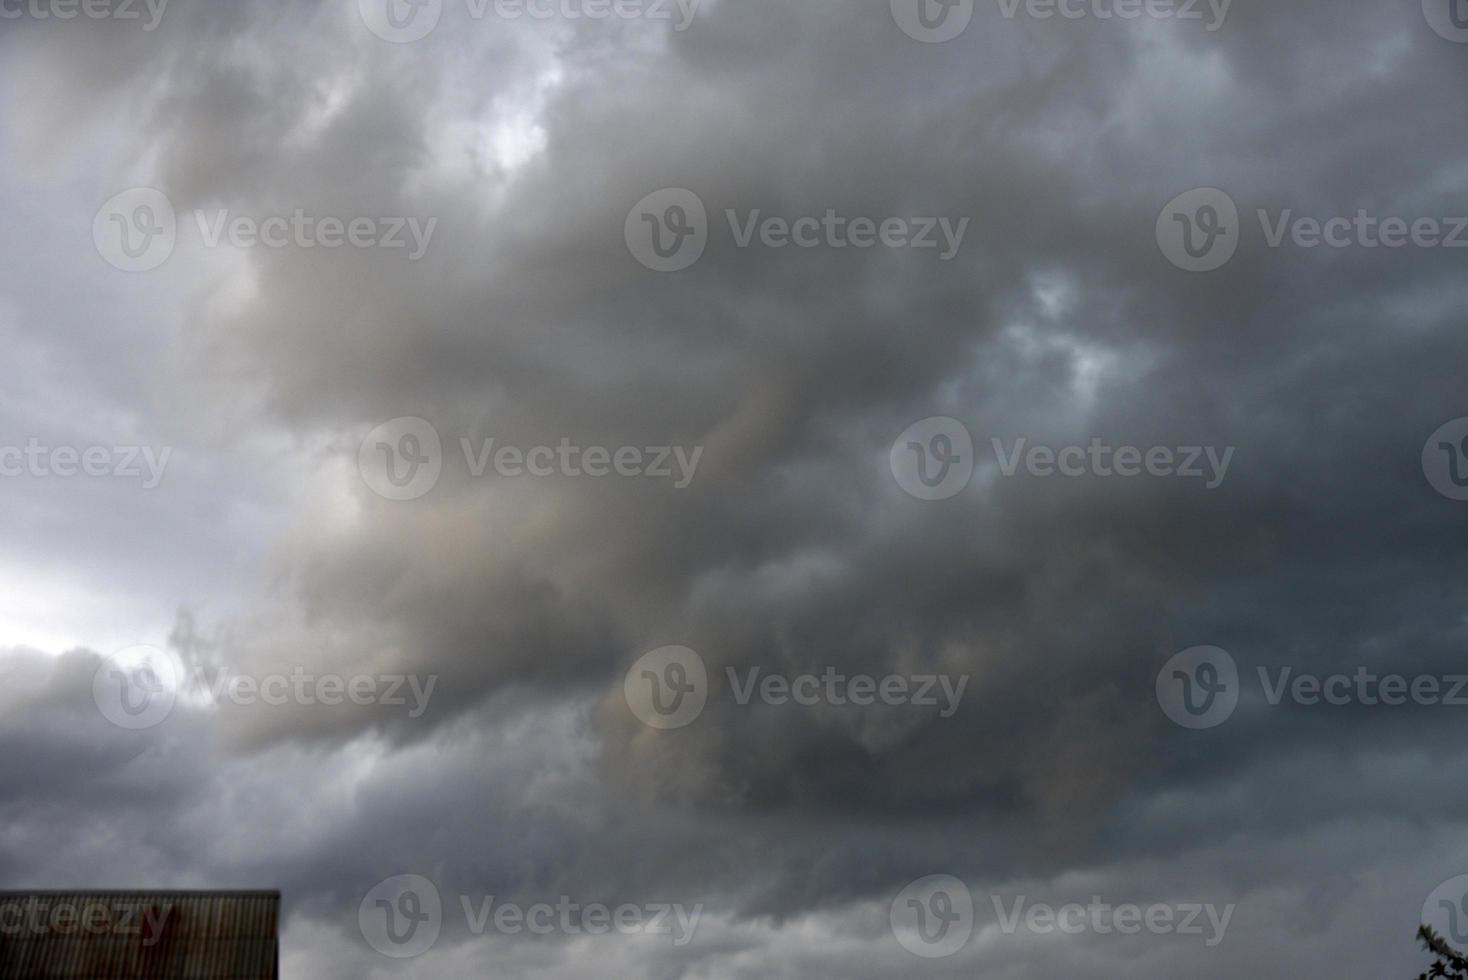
<point x="527" y="321"/>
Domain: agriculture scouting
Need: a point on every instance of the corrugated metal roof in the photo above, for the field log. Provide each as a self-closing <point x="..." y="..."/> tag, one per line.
<point x="139" y="935"/>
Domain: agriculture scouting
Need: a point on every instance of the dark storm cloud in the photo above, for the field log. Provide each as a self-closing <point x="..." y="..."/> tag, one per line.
<point x="528" y="321"/>
<point x="509" y="808"/>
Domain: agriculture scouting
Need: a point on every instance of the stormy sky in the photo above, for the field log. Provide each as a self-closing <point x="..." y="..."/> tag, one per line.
<point x="1223" y="236"/>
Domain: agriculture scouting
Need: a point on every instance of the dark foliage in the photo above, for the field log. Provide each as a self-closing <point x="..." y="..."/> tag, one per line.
<point x="1449" y="963"/>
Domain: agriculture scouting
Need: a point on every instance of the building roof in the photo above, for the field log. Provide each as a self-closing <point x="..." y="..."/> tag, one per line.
<point x="139" y="935"/>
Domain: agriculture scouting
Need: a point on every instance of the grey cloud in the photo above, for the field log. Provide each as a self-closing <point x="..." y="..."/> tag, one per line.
<point x="793" y="549"/>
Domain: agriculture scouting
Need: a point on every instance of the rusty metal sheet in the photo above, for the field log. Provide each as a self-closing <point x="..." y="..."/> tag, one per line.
<point x="139" y="935"/>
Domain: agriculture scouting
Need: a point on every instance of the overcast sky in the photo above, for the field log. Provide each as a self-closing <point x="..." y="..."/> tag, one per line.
<point x="463" y="353"/>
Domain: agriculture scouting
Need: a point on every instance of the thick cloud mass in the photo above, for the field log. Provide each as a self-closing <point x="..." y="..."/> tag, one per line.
<point x="793" y="549"/>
